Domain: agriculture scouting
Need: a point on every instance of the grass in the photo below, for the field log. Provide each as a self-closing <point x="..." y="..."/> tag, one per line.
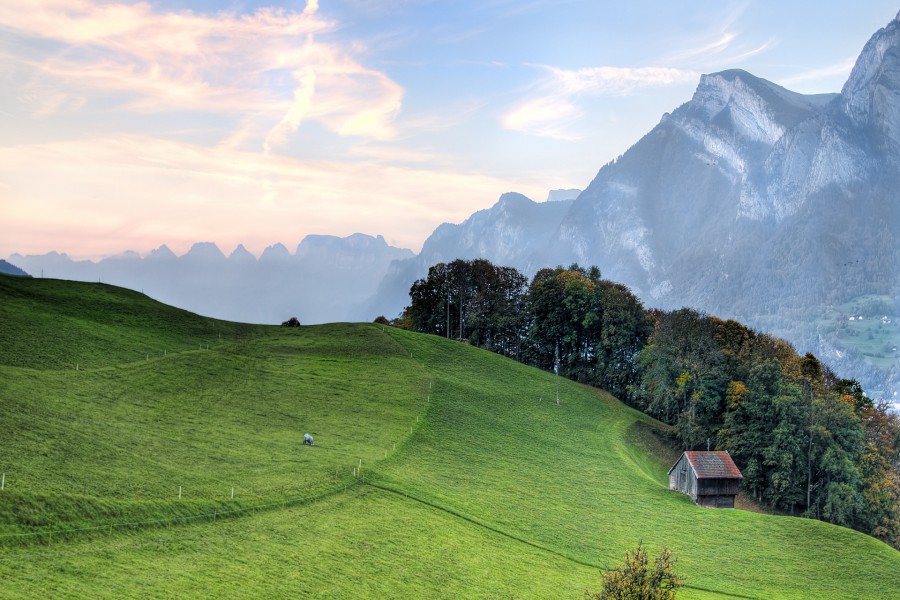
<point x="475" y="483"/>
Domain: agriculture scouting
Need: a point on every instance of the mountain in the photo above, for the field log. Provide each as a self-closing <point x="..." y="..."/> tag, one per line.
<point x="757" y="203"/>
<point x="568" y="194"/>
<point x="749" y="201"/>
<point x="515" y="232"/>
<point x="10" y="269"/>
<point x="326" y="280"/>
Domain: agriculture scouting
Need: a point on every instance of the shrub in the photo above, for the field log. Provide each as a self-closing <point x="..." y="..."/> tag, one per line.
<point x="636" y="579"/>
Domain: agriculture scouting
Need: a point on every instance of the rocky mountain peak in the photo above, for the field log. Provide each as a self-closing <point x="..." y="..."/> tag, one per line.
<point x="162" y="253"/>
<point x="870" y="96"/>
<point x="755" y="109"/>
<point x="241" y="253"/>
<point x="204" y="250"/>
<point x="318" y="247"/>
<point x="276" y="251"/>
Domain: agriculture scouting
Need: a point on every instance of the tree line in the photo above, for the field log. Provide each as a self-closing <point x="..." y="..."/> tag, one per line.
<point x="807" y="441"/>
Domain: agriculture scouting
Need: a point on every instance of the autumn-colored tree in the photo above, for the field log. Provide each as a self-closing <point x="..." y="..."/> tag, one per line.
<point x="636" y="579"/>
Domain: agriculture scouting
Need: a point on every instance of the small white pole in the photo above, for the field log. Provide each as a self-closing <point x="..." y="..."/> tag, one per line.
<point x="179" y="492"/>
<point x="417" y="418"/>
<point x="232" y="493"/>
<point x="2" y="482"/>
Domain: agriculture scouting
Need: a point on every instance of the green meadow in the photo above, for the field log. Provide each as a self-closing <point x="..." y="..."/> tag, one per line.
<point x="874" y="332"/>
<point x="439" y="470"/>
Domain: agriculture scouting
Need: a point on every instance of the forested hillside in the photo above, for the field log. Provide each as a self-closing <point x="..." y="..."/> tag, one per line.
<point x="808" y="442"/>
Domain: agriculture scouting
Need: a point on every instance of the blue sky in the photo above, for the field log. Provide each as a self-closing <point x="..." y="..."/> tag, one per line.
<point x="128" y="125"/>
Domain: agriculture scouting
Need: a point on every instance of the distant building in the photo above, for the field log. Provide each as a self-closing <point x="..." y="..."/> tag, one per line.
<point x="711" y="479"/>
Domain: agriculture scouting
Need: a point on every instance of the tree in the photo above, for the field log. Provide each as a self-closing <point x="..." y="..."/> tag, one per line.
<point x="880" y="472"/>
<point x="684" y="380"/>
<point x="624" y="330"/>
<point x="471" y="299"/>
<point x="635" y="579"/>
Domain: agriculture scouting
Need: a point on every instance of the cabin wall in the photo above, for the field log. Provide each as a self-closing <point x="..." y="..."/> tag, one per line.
<point x="683" y="479"/>
<point x="723" y="501"/>
<point x="718" y="487"/>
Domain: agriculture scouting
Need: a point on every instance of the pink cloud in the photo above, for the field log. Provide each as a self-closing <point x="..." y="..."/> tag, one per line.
<point x="261" y="63"/>
<point x="176" y="189"/>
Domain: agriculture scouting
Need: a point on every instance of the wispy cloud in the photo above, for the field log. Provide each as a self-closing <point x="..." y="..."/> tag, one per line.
<point x="269" y="63"/>
<point x="840" y="69"/>
<point x="721" y="45"/>
<point x="552" y="107"/>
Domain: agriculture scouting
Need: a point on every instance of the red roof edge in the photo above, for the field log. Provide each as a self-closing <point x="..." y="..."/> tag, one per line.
<point x="715" y="464"/>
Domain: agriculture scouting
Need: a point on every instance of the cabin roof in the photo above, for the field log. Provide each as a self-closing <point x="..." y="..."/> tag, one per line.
<point x="712" y="465"/>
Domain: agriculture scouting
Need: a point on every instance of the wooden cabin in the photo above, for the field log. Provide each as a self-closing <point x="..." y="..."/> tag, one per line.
<point x="711" y="479"/>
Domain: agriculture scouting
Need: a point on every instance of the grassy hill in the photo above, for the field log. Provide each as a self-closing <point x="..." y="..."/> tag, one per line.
<point x="474" y="483"/>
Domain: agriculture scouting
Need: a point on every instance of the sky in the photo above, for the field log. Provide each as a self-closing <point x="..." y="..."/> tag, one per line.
<point x="124" y="126"/>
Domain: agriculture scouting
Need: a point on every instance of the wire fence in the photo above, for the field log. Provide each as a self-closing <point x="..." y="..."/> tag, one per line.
<point x="216" y="514"/>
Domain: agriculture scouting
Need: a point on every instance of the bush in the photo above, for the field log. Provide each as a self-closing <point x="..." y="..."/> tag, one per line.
<point x="637" y="580"/>
<point x="292" y="322"/>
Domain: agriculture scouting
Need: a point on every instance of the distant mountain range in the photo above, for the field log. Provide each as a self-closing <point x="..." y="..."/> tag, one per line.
<point x="327" y="279"/>
<point x="749" y="201"/>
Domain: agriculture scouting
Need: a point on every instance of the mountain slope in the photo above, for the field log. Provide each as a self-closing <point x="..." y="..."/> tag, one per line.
<point x="9" y="269"/>
<point x="474" y="484"/>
